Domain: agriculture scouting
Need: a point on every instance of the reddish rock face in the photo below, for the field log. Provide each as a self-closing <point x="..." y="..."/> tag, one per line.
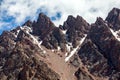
<point x="35" y="51"/>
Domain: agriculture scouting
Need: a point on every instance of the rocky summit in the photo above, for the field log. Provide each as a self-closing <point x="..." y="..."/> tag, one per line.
<point x="76" y="50"/>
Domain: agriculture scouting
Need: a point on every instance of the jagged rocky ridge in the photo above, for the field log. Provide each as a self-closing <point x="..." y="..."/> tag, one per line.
<point x="75" y="50"/>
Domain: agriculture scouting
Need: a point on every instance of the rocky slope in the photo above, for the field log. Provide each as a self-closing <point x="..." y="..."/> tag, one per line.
<point x="75" y="50"/>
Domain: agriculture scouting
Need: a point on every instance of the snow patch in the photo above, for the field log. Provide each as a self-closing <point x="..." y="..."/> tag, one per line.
<point x="75" y="49"/>
<point x="115" y="33"/>
<point x="71" y="54"/>
<point x="44" y="51"/>
<point x="58" y="48"/>
<point x="40" y="42"/>
<point x="26" y="28"/>
<point x="68" y="47"/>
<point x="35" y="40"/>
<point x="66" y="54"/>
<point x="16" y="33"/>
<point x="53" y="50"/>
<point x="64" y="31"/>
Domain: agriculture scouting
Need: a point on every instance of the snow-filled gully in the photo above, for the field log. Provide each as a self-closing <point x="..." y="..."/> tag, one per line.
<point x="115" y="34"/>
<point x="74" y="50"/>
<point x="35" y="41"/>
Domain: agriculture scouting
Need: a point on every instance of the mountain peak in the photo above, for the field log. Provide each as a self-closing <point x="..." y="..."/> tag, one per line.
<point x="43" y="25"/>
<point x="77" y="23"/>
<point x="75" y="50"/>
<point x="100" y="21"/>
<point x="28" y="23"/>
<point x="42" y="18"/>
<point x="114" y="18"/>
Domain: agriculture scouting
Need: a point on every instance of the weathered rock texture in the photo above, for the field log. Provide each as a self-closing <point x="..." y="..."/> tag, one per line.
<point x="75" y="50"/>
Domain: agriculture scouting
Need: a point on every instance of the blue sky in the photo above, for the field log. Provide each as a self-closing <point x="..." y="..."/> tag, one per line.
<point x="14" y="13"/>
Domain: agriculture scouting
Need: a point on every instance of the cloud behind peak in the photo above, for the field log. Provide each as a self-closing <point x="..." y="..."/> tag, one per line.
<point x="58" y="10"/>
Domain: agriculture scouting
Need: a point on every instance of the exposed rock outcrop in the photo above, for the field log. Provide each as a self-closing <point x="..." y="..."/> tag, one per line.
<point x="114" y="18"/>
<point x="75" y="50"/>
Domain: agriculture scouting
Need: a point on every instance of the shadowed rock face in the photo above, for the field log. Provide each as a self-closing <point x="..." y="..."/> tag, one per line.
<point x="82" y="75"/>
<point x="77" y="23"/>
<point x="75" y="29"/>
<point x="93" y="59"/>
<point x="114" y="18"/>
<point x="100" y="51"/>
<point x="43" y="26"/>
<point x="53" y="36"/>
<point x="28" y="23"/>
<point x="25" y="51"/>
<point x="101" y="35"/>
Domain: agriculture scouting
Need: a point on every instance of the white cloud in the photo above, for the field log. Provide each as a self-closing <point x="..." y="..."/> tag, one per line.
<point x="3" y="26"/>
<point x="88" y="9"/>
